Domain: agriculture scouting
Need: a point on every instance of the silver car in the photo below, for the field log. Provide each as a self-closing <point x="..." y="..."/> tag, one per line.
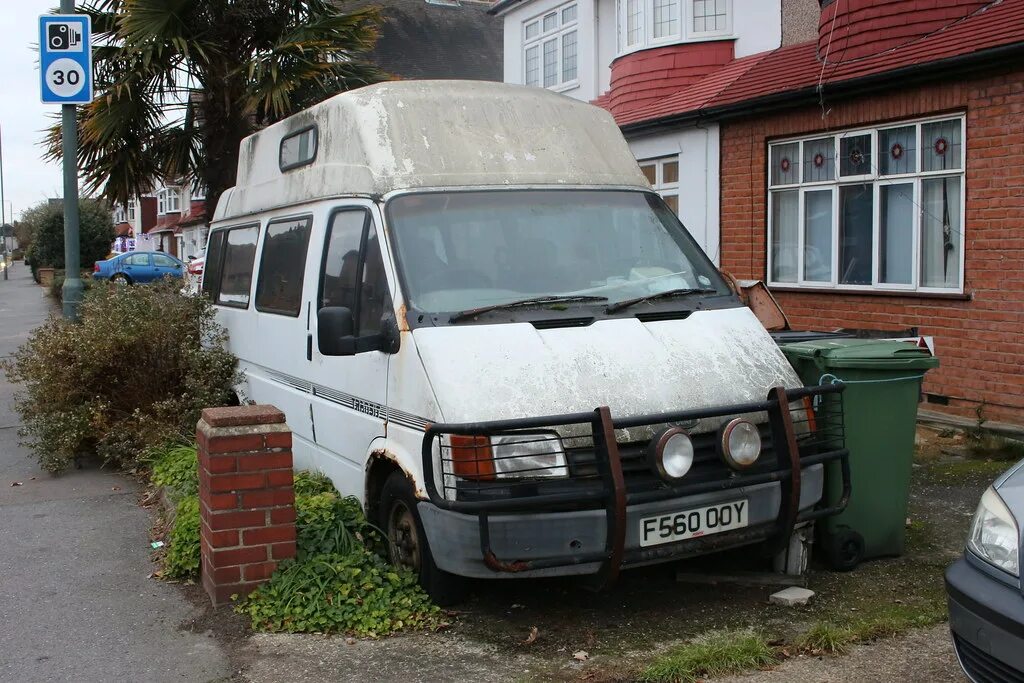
<point x="986" y="596"/>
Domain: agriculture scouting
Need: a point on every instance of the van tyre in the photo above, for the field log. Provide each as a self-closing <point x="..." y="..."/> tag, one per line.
<point x="120" y="279"/>
<point x="407" y="542"/>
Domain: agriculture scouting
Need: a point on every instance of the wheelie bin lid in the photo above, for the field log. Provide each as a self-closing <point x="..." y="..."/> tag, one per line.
<point x="876" y="354"/>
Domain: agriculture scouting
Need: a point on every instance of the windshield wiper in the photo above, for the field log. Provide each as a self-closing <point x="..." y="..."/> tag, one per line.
<point x="626" y="303"/>
<point x="533" y="301"/>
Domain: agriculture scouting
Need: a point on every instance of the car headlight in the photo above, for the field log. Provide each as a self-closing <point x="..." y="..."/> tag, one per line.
<point x="521" y="455"/>
<point x="529" y="455"/>
<point x="994" y="536"/>
<point x="670" y="454"/>
<point x="740" y="443"/>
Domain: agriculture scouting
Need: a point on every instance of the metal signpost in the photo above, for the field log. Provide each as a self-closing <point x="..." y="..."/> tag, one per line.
<point x="65" y="70"/>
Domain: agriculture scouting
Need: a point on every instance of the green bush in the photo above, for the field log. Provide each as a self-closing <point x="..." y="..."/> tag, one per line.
<point x="135" y="372"/>
<point x="45" y="222"/>
<point x="181" y="561"/>
<point x="356" y="593"/>
<point x="176" y="467"/>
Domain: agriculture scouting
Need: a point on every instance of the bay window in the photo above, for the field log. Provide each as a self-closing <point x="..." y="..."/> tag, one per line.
<point x="869" y="209"/>
<point x="649" y="23"/>
<point x="168" y="200"/>
<point x="550" y="49"/>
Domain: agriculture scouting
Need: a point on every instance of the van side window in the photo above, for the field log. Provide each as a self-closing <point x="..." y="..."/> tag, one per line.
<point x="211" y="268"/>
<point x="353" y="270"/>
<point x="137" y="260"/>
<point x="236" y="271"/>
<point x="282" y="266"/>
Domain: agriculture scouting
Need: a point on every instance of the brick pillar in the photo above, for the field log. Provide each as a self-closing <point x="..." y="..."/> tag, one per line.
<point x="246" y="499"/>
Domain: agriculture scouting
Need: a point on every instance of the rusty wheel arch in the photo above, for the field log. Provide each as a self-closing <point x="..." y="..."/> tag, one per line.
<point x="378" y="468"/>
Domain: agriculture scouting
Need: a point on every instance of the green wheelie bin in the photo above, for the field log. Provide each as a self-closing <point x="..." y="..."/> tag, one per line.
<point x="883" y="385"/>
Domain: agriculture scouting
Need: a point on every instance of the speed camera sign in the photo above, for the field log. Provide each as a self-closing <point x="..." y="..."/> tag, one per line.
<point x="65" y="58"/>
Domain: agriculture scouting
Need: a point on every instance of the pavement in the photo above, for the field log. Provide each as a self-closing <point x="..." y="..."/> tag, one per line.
<point x="76" y="603"/>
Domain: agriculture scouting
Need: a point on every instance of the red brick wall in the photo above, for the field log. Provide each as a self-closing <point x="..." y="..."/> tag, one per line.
<point x="980" y="342"/>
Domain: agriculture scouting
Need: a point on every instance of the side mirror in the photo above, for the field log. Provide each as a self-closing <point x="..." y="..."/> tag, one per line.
<point x="335" y="331"/>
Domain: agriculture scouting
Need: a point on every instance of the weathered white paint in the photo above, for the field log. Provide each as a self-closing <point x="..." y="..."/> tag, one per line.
<point x="698" y="152"/>
<point x="493" y="372"/>
<point x="416" y="134"/>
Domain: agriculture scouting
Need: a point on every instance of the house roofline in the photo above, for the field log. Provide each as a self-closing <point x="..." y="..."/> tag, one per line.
<point x="789" y="99"/>
<point x="503" y="6"/>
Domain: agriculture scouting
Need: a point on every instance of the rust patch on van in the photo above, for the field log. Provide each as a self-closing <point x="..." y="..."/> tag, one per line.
<point x="493" y="563"/>
<point x="403" y="323"/>
<point x="384" y="454"/>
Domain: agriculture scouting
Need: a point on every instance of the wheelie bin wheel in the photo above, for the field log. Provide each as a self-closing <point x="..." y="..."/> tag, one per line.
<point x="845" y="549"/>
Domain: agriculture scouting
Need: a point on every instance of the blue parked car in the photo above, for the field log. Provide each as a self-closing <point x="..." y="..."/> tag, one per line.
<point x="138" y="267"/>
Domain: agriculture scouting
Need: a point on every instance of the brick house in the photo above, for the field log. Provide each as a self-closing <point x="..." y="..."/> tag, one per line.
<point x="872" y="175"/>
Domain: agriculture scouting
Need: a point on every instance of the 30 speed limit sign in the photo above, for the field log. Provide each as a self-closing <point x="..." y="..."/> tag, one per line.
<point x="65" y="58"/>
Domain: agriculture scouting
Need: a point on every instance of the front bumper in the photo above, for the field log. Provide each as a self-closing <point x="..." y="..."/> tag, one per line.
<point x="591" y="524"/>
<point x="455" y="537"/>
<point x="986" y="618"/>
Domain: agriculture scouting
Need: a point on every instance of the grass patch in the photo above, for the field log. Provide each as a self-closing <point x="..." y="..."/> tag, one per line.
<point x="716" y="654"/>
<point x="826" y="638"/>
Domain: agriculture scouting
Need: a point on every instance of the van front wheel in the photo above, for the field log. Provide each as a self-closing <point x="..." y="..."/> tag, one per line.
<point x="407" y="542"/>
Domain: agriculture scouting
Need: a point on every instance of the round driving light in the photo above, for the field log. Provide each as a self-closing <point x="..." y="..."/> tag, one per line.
<point x="741" y="443"/>
<point x="670" y="454"/>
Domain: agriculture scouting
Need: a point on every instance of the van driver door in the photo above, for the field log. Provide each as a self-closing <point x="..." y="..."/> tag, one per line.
<point x="350" y="392"/>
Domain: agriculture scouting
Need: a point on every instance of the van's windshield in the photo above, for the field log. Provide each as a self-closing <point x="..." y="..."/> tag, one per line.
<point x="465" y="250"/>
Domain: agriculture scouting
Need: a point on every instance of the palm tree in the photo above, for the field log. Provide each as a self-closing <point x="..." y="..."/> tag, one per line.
<point x="181" y="82"/>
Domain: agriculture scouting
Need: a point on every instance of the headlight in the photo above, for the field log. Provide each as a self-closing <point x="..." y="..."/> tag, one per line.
<point x="994" y="536"/>
<point x="529" y="455"/>
<point x="670" y="454"/>
<point x="520" y="455"/>
<point x="740" y="443"/>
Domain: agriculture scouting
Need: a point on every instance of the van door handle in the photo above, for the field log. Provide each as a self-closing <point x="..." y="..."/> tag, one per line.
<point x="309" y="347"/>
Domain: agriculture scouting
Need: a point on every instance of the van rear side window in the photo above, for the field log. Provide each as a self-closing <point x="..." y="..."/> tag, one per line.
<point x="239" y="252"/>
<point x="282" y="266"/>
<point x="298" y="149"/>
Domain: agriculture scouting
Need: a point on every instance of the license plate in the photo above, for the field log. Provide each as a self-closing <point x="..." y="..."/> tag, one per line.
<point x="679" y="526"/>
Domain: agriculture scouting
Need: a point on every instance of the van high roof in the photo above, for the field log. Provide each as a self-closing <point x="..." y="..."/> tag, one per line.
<point x="419" y="134"/>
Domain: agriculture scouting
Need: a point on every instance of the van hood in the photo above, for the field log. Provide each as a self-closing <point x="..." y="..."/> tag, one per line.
<point x="495" y="372"/>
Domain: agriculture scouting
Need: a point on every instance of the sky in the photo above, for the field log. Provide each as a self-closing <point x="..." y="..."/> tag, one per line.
<point x="28" y="180"/>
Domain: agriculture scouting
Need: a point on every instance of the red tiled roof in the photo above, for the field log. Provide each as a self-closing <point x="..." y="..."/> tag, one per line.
<point x="196" y="214"/>
<point x="797" y="67"/>
<point x="122" y="229"/>
<point x="166" y="223"/>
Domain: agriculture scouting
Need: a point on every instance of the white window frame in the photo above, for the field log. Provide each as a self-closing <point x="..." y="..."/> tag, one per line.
<point x="877" y="180"/>
<point x="685" y="33"/>
<point x="557" y="34"/>
<point x="168" y="200"/>
<point x="173" y="200"/>
<point x="131" y="210"/>
<point x="665" y="189"/>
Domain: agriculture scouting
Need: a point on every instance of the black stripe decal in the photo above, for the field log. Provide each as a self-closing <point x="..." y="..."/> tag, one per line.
<point x="355" y="403"/>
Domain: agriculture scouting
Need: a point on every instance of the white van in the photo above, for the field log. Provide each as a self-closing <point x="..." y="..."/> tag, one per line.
<point x="481" y="321"/>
